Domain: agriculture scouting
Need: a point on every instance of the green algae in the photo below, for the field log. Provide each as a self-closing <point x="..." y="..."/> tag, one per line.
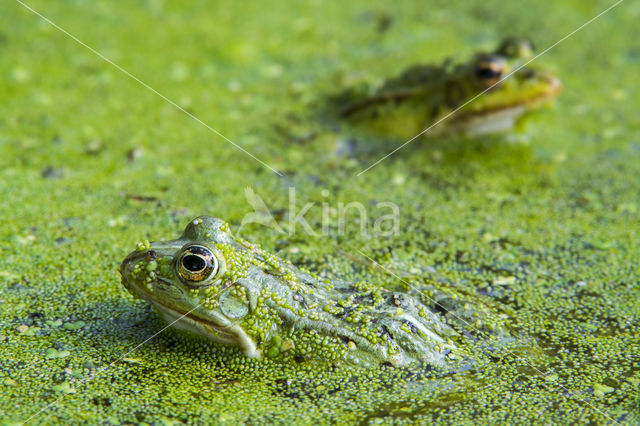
<point x="543" y="222"/>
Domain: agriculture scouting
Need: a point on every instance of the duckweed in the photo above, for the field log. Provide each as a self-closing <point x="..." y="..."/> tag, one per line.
<point x="541" y="225"/>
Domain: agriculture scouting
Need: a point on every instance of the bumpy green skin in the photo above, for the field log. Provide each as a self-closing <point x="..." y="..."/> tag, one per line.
<point x="422" y="95"/>
<point x="268" y="307"/>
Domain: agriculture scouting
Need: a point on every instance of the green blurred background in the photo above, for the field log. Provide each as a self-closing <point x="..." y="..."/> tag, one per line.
<point x="92" y="162"/>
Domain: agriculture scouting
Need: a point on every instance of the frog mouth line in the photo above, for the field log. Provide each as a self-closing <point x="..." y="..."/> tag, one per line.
<point x="231" y="334"/>
<point x="503" y="117"/>
<point x="551" y="92"/>
<point x="531" y="102"/>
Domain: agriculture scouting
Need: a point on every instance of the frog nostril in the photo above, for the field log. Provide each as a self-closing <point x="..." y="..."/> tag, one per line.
<point x="193" y="263"/>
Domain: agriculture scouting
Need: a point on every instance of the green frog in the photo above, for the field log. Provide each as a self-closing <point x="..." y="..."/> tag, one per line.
<point x="447" y="94"/>
<point x="231" y="291"/>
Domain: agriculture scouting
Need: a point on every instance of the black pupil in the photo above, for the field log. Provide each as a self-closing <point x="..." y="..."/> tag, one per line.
<point x="488" y="73"/>
<point x="193" y="263"/>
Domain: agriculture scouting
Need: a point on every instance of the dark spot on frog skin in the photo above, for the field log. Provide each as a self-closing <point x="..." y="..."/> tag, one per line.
<point x="454" y="94"/>
<point x="344" y="339"/>
<point x="400" y="301"/>
<point x="300" y="298"/>
<point x="412" y="326"/>
<point x="366" y="300"/>
<point x="384" y="331"/>
<point x="440" y="309"/>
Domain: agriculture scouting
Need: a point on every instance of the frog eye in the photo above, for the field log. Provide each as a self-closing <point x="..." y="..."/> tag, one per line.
<point x="515" y="47"/>
<point x="489" y="71"/>
<point x="196" y="264"/>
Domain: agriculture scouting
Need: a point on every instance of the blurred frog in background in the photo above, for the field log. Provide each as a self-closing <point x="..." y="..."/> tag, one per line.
<point x="487" y="94"/>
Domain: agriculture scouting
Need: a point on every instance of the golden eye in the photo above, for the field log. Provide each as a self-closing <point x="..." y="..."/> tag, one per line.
<point x="196" y="264"/>
<point x="489" y="71"/>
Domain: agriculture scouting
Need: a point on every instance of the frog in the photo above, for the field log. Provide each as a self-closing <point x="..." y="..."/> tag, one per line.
<point x="489" y="93"/>
<point x="220" y="286"/>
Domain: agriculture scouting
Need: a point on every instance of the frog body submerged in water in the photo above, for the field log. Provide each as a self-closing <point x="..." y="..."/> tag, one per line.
<point x="231" y="291"/>
<point x="404" y="106"/>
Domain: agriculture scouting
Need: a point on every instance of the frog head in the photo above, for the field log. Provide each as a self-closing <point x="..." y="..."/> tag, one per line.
<point x="485" y="94"/>
<point x="508" y="84"/>
<point x="196" y="282"/>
